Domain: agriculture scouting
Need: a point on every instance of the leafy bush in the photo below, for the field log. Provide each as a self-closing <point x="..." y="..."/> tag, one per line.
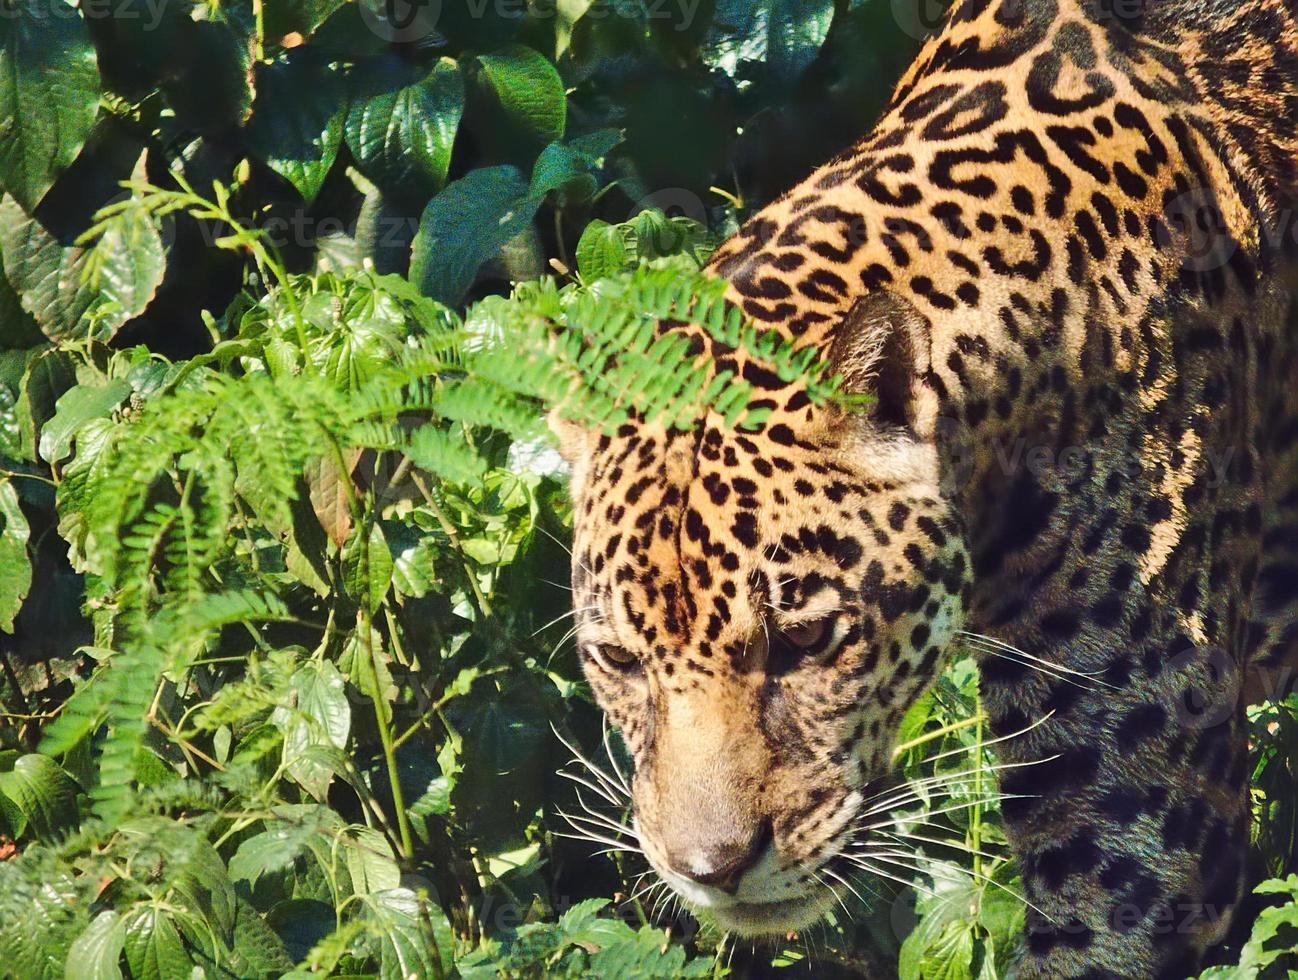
<point x="287" y="675"/>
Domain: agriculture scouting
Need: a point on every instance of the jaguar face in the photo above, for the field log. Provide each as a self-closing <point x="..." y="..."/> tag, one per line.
<point x="755" y="613"/>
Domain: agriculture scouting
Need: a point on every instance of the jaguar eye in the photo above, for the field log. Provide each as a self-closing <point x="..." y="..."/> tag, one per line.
<point x="614" y="657"/>
<point x="791" y="646"/>
<point x="804" y="636"/>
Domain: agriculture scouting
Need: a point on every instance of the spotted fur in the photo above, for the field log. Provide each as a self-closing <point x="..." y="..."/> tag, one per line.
<point x="1062" y="263"/>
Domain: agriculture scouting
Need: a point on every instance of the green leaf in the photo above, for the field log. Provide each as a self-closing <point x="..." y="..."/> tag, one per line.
<point x="301" y="924"/>
<point x="400" y="920"/>
<point x="602" y="251"/>
<point x="47" y="376"/>
<point x="371" y="676"/>
<point x="414" y="557"/>
<point x="15" y="564"/>
<point x="154" y="949"/>
<point x="559" y="167"/>
<point x="297" y="119"/>
<point x="529" y="89"/>
<point x="401" y="124"/>
<point x="370" y="861"/>
<point x="948" y="955"/>
<point x="506" y="752"/>
<point x="367" y="568"/>
<point x="259" y="952"/>
<point x="97" y="953"/>
<point x="49" y="94"/>
<point x="784" y="36"/>
<point x="319" y="715"/>
<point x="446" y="454"/>
<point x="644" y="954"/>
<point x="1262" y="950"/>
<point x="66" y="287"/>
<point x="271" y="850"/>
<point x="73" y="410"/>
<point x="43" y="917"/>
<point x="44" y="793"/>
<point x="464" y="226"/>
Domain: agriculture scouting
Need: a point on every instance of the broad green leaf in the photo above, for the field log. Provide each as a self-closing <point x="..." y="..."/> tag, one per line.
<point x="15" y="564"/>
<point x="73" y="410"/>
<point x="401" y="124"/>
<point x="366" y="664"/>
<point x="370" y="861"/>
<point x="154" y="948"/>
<point x="319" y="715"/>
<point x="46" y="795"/>
<point x="271" y="850"/>
<point x="42" y="920"/>
<point x="1262" y="948"/>
<point x="561" y="168"/>
<point x="464" y="226"/>
<point x="568" y="166"/>
<point x="301" y="924"/>
<point x="784" y="36"/>
<point x="367" y="568"/>
<point x="97" y="953"/>
<point x="414" y="555"/>
<point x="258" y="951"/>
<point x="49" y="95"/>
<point x="48" y="375"/>
<point x="602" y="250"/>
<point x="506" y="752"/>
<point x="75" y="290"/>
<point x="400" y="921"/>
<point x="529" y="89"/>
<point x="297" y="119"/>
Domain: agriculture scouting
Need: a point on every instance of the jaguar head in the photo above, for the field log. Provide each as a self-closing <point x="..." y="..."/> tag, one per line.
<point x="756" y="611"/>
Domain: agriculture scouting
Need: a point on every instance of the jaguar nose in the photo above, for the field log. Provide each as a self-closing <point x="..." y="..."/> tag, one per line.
<point x="722" y="864"/>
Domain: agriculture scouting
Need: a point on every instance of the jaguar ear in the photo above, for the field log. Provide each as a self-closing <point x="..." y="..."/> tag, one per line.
<point x="880" y="349"/>
<point x="573" y="438"/>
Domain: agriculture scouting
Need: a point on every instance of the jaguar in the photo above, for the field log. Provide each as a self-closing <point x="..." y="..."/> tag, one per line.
<point x="1060" y="268"/>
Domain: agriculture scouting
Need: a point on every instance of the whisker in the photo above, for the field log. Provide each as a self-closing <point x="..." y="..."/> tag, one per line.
<point x="947" y="778"/>
<point x="987" y="742"/>
<point x="566" y="549"/>
<point x="846" y="884"/>
<point x="866" y="866"/>
<point x="599" y="820"/>
<point x="559" y="619"/>
<point x="598" y="839"/>
<point x="921" y="819"/>
<point x="1084" y="684"/>
<point x="604" y="793"/>
<point x="604" y="778"/>
<point x="838" y="898"/>
<point x="951" y="869"/>
<point x="1049" y="666"/>
<point x="623" y="782"/>
<point x="955" y="845"/>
